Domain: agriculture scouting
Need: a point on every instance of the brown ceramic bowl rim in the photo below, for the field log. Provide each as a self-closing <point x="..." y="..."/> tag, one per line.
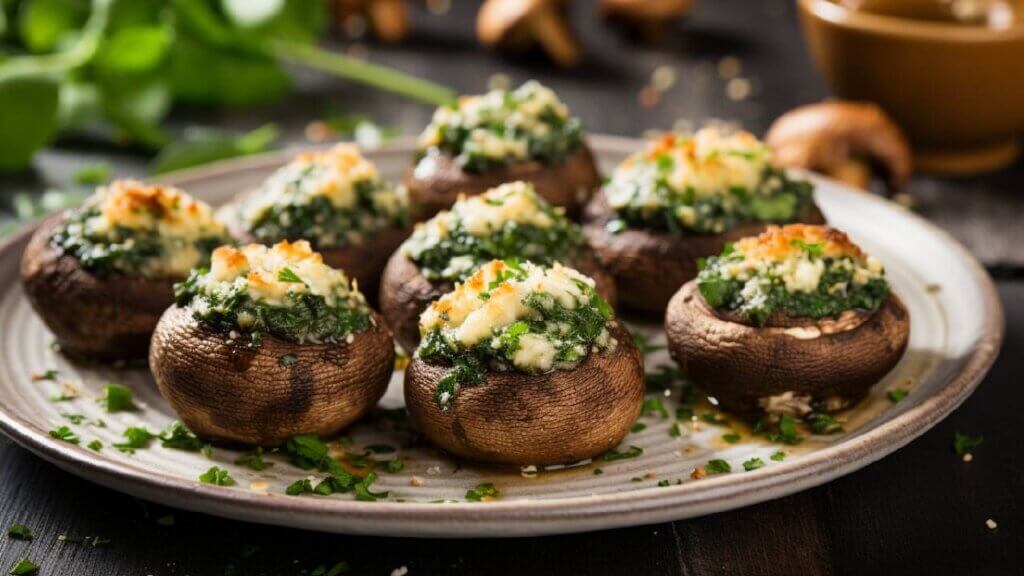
<point x="897" y="27"/>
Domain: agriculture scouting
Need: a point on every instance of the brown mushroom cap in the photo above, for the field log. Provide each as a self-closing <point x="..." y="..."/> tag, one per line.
<point x="233" y="393"/>
<point x="568" y="183"/>
<point x="827" y="137"/>
<point x="520" y="419"/>
<point x="826" y="359"/>
<point x="405" y="293"/>
<point x="649" y="266"/>
<point x="519" y="24"/>
<point x="645" y="10"/>
<point x="364" y="261"/>
<point x="388" y="18"/>
<point x="100" y="318"/>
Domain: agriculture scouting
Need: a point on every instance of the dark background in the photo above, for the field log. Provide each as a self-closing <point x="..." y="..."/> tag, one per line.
<point x="920" y="510"/>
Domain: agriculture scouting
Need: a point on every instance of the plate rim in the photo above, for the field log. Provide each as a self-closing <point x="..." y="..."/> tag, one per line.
<point x="528" y="517"/>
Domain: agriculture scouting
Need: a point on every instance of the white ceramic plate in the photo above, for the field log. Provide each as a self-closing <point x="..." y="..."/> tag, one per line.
<point x="956" y="331"/>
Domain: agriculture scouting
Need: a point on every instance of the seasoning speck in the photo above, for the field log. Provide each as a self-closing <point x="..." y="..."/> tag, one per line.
<point x="698" y="473"/>
<point x="416" y="481"/>
<point x="991" y="524"/>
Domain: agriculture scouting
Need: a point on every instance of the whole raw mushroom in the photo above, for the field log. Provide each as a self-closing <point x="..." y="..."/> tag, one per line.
<point x="520" y="24"/>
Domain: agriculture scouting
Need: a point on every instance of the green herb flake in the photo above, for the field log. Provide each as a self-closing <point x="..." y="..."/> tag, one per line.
<point x="638" y="427"/>
<point x="613" y="454"/>
<point x="663" y="483"/>
<point x="19" y="532"/>
<point x="964" y="444"/>
<point x="298" y="487"/>
<point x="778" y="456"/>
<point x="49" y="375"/>
<point x="393" y="466"/>
<point x="481" y="492"/>
<point x="717" y="466"/>
<point x="306" y="452"/>
<point x="714" y="418"/>
<point x="654" y="405"/>
<point x="253" y="460"/>
<point x="92" y="174"/>
<point x="822" y="423"/>
<point x="95" y="445"/>
<point x="753" y="464"/>
<point x="598" y="471"/>
<point x="897" y="394"/>
<point x="217" y="477"/>
<point x="117" y="398"/>
<point x="178" y="437"/>
<point x="731" y="437"/>
<point x="24" y="567"/>
<point x="136" y="437"/>
<point x="66" y="434"/>
<point x="74" y="418"/>
<point x="286" y="275"/>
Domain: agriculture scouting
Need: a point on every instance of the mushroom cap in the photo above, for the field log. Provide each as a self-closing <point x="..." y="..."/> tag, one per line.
<point x="107" y="318"/>
<point x="233" y="393"/>
<point x="825" y="359"/>
<point x="364" y="262"/>
<point x="649" y="266"/>
<point x="498" y="18"/>
<point x="568" y="183"/>
<point x="825" y="136"/>
<point x="648" y="10"/>
<point x="405" y="293"/>
<point x="520" y="419"/>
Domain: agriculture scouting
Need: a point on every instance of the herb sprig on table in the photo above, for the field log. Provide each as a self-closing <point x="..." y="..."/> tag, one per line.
<point x="123" y="64"/>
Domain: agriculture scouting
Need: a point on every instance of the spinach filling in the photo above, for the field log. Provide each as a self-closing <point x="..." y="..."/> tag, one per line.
<point x="573" y="332"/>
<point x="120" y="250"/>
<point x="562" y="139"/>
<point x="322" y="223"/>
<point x="778" y="199"/>
<point x="302" y="318"/>
<point x="457" y="255"/>
<point x="756" y="298"/>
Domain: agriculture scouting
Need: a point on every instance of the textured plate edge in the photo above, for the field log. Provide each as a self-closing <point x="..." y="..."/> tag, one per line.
<point x="529" y="517"/>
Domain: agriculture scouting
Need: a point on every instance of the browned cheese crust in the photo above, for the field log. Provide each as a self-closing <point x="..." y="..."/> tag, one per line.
<point x="568" y="183"/>
<point x="98" y="318"/>
<point x="405" y="293"/>
<point x="520" y="419"/>
<point x="230" y="392"/>
<point x="364" y="261"/>
<point x="650" y="266"/>
<point x="826" y="359"/>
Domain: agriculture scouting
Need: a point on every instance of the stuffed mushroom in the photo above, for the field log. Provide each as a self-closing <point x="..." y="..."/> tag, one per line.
<point x="270" y="343"/>
<point x="524" y="364"/>
<point x="335" y="199"/>
<point x="794" y="321"/>
<point x="482" y="141"/>
<point x="510" y="221"/>
<point x="682" y="199"/>
<point x="101" y="275"/>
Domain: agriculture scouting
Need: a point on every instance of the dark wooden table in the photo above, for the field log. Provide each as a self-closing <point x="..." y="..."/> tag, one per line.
<point x="921" y="510"/>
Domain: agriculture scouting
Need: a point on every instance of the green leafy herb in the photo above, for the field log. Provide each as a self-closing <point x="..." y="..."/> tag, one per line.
<point x="217" y="476"/>
<point x="117" y="398"/>
<point x="23" y="567"/>
<point x="964" y="444"/>
<point x="136" y="437"/>
<point x="718" y="466"/>
<point x="638" y="427"/>
<point x="298" y="487"/>
<point x="92" y="174"/>
<point x="47" y="375"/>
<point x="306" y="452"/>
<point x="178" y="437"/>
<point x="482" y="491"/>
<point x="393" y="466"/>
<point x="897" y="394"/>
<point x="66" y="434"/>
<point x="363" y="492"/>
<point x="74" y="418"/>
<point x="714" y="418"/>
<point x="653" y="404"/>
<point x="731" y="437"/>
<point x="753" y="464"/>
<point x="95" y="445"/>
<point x="19" y="532"/>
<point x="813" y="248"/>
<point x="778" y="456"/>
<point x="613" y="454"/>
<point x="253" y="460"/>
<point x="822" y="423"/>
<point x="598" y="471"/>
<point x="286" y="275"/>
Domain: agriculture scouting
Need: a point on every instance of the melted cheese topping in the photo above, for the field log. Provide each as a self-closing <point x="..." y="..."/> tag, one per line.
<point x="464" y="316"/>
<point x="482" y="215"/>
<point x="796" y="254"/>
<point x="332" y="174"/>
<point x="522" y="113"/>
<point x="711" y="162"/>
<point x="271" y="274"/>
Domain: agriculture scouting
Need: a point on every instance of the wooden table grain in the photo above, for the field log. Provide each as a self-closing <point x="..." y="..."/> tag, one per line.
<point x="920" y="510"/>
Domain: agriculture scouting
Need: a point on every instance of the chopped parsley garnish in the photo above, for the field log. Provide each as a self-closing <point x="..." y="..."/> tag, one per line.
<point x="74" y="418"/>
<point x="286" y="275"/>
<point x="897" y="394"/>
<point x="481" y="492"/>
<point x="717" y="466"/>
<point x="136" y="437"/>
<point x="178" y="437"/>
<point x="393" y="466"/>
<point x="964" y="444"/>
<point x="298" y="487"/>
<point x="638" y="427"/>
<point x="598" y="471"/>
<point x="24" y="567"/>
<point x="47" y="375"/>
<point x="654" y="405"/>
<point x="714" y="418"/>
<point x="778" y="456"/>
<point x="253" y="460"/>
<point x="782" y="432"/>
<point x="19" y="532"/>
<point x="95" y="445"/>
<point x="753" y="464"/>
<point x="731" y="437"/>
<point x="117" y="398"/>
<point x="822" y="423"/>
<point x="66" y="434"/>
<point x="217" y="476"/>
<point x="613" y="454"/>
<point x="306" y="452"/>
<point x="92" y="174"/>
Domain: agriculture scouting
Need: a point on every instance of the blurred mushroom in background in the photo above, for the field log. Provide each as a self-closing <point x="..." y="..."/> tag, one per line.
<point x="844" y="140"/>
<point x="648" y="19"/>
<point x="388" y="19"/>
<point x="519" y="25"/>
